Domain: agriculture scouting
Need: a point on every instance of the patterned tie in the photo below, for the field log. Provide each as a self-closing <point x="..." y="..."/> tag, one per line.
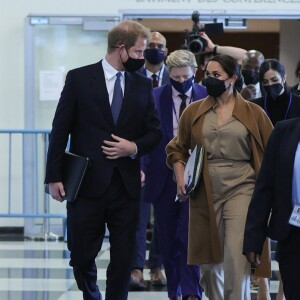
<point x="183" y="103"/>
<point x="154" y="80"/>
<point x="117" y="98"/>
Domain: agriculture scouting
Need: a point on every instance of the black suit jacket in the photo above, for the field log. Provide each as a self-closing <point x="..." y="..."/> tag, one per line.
<point x="294" y="90"/>
<point x="273" y="189"/>
<point x="294" y="110"/>
<point x="84" y="112"/>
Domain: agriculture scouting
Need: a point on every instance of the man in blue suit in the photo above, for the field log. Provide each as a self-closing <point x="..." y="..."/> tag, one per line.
<point x="156" y="70"/>
<point x="109" y="113"/>
<point x="160" y="187"/>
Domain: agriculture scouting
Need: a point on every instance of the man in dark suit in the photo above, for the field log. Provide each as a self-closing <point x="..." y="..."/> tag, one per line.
<point x="275" y="195"/>
<point x="108" y="111"/>
<point x="155" y="69"/>
<point x="296" y="88"/>
<point x="160" y="187"/>
<point x="155" y="54"/>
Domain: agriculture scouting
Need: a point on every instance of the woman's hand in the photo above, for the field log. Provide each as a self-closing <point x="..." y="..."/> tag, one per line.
<point x="179" y="174"/>
<point x="181" y="191"/>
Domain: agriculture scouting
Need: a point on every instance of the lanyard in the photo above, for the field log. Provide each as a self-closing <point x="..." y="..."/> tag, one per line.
<point x="287" y="111"/>
<point x="174" y="110"/>
<point x="158" y="76"/>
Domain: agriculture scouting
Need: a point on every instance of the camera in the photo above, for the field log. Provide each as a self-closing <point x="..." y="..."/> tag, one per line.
<point x="195" y="43"/>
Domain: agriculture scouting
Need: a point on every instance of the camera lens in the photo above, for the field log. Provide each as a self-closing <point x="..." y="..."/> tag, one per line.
<point x="195" y="46"/>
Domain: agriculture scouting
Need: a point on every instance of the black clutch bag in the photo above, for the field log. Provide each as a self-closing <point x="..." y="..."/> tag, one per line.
<point x="73" y="172"/>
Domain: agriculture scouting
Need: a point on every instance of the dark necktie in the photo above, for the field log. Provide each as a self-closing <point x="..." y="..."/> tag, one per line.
<point x="154" y="80"/>
<point x="117" y="98"/>
<point x="183" y="103"/>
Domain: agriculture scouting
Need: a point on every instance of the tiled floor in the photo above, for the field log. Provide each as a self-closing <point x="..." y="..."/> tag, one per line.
<point x="40" y="271"/>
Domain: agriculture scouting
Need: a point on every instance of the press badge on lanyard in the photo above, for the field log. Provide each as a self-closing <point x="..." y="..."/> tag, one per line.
<point x="295" y="216"/>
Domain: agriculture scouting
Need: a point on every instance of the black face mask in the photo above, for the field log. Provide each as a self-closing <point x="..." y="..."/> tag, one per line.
<point x="250" y="76"/>
<point x="215" y="87"/>
<point x="273" y="90"/>
<point x="133" y="64"/>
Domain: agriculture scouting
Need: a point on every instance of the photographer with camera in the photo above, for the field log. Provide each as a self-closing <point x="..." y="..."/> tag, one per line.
<point x="212" y="49"/>
<point x="198" y="42"/>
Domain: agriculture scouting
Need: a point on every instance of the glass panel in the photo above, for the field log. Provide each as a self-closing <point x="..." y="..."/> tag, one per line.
<point x="57" y="49"/>
<point x="53" y="46"/>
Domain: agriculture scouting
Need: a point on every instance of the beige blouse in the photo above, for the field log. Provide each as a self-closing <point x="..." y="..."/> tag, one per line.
<point x="231" y="141"/>
<point x="228" y="151"/>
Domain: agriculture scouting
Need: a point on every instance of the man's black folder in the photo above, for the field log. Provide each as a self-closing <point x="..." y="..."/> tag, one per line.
<point x="74" y="169"/>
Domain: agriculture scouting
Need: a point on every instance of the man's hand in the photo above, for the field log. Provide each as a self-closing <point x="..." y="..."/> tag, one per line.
<point x="120" y="148"/>
<point x="254" y="259"/>
<point x="57" y="191"/>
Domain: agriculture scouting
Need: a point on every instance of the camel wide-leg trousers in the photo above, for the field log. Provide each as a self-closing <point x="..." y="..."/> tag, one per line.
<point x="232" y="187"/>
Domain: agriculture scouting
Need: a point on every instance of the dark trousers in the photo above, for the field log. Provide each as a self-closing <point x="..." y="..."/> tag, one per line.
<point x="288" y="256"/>
<point x="155" y="258"/>
<point x="173" y="218"/>
<point x="86" y="219"/>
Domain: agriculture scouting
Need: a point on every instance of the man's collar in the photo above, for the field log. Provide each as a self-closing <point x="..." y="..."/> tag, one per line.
<point x="109" y="70"/>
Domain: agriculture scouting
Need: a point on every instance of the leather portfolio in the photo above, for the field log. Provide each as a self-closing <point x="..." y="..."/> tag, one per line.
<point x="73" y="171"/>
<point x="193" y="169"/>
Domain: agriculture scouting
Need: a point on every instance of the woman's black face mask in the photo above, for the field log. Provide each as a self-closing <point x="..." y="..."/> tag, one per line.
<point x="273" y="91"/>
<point x="215" y="87"/>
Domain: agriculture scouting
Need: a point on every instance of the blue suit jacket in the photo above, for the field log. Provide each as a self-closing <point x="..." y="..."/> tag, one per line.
<point x="158" y="175"/>
<point x="273" y="189"/>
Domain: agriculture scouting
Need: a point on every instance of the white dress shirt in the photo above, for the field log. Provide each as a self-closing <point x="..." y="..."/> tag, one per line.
<point x="110" y="77"/>
<point x="176" y="106"/>
<point x="159" y="74"/>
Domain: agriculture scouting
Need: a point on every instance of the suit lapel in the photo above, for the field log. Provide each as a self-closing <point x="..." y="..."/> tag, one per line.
<point x="165" y="76"/>
<point x="243" y="113"/>
<point x="166" y="105"/>
<point x="100" y="93"/>
<point x="292" y="142"/>
<point x="197" y="92"/>
<point x="129" y="99"/>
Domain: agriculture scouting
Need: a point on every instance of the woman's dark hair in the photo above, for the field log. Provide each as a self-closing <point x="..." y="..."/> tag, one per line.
<point x="229" y="65"/>
<point x="297" y="71"/>
<point x="271" y="64"/>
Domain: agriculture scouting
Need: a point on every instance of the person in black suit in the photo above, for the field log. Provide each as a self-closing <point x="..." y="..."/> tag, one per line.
<point x="279" y="104"/>
<point x="156" y="70"/>
<point x="155" y="54"/>
<point x="276" y="193"/>
<point x="109" y="113"/>
<point x="296" y="88"/>
<point x="277" y="101"/>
